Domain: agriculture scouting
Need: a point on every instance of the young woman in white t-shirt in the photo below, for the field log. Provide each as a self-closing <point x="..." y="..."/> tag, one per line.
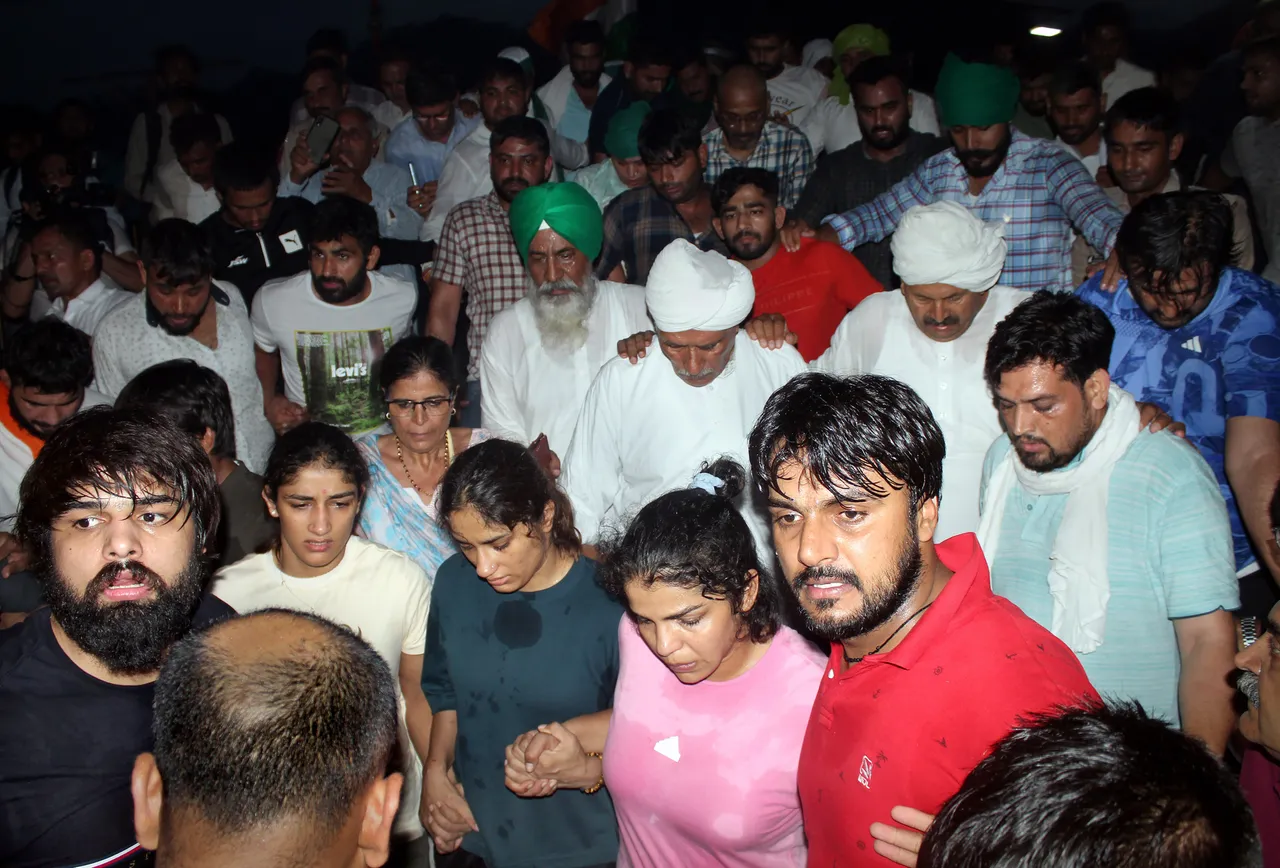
<point x="314" y="484"/>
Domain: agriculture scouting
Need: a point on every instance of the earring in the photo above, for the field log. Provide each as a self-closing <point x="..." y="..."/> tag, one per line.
<point x="387" y="415"/>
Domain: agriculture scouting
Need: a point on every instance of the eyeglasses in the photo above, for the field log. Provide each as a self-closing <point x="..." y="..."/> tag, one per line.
<point x="436" y="406"/>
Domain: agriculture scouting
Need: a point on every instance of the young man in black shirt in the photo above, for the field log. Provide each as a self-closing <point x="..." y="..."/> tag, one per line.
<point x="117" y="511"/>
<point x="256" y="236"/>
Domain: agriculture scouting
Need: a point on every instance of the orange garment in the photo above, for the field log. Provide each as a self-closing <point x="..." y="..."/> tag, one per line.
<point x="11" y="425"/>
<point x="813" y="288"/>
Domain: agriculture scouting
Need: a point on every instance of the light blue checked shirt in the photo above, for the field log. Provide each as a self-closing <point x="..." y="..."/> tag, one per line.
<point x="1040" y="191"/>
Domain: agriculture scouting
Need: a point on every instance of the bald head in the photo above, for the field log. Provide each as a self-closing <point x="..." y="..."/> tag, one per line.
<point x="742" y="107"/>
<point x="743" y="81"/>
<point x="274" y="721"/>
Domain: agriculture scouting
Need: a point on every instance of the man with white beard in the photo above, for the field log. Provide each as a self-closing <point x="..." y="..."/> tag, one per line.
<point x="647" y="426"/>
<point x="541" y="353"/>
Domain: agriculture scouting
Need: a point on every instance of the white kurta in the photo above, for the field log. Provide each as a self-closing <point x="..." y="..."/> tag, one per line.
<point x="834" y="126"/>
<point x="87" y="310"/>
<point x="529" y="390"/>
<point x="643" y="431"/>
<point x="880" y="337"/>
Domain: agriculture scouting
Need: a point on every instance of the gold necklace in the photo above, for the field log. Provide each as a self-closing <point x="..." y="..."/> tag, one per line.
<point x="448" y="457"/>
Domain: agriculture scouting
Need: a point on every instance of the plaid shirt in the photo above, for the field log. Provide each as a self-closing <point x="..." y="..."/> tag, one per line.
<point x="476" y="251"/>
<point x="1039" y="192"/>
<point x="781" y="150"/>
<point x="637" y="226"/>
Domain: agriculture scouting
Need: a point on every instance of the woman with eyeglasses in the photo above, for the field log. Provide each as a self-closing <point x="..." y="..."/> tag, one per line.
<point x="419" y="385"/>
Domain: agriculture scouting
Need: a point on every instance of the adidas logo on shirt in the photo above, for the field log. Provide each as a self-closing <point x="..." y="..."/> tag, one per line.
<point x="1193" y="345"/>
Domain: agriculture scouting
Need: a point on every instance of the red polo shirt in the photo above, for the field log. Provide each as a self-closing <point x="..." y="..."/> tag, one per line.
<point x="904" y="728"/>
<point x="813" y="288"/>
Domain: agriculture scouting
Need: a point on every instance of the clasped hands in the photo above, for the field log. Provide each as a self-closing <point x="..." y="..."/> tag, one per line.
<point x="546" y="759"/>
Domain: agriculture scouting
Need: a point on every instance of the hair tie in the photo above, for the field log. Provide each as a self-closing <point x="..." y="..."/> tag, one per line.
<point x="706" y="482"/>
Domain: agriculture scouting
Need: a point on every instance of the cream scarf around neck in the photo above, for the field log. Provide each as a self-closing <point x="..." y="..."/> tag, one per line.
<point x="1078" y="580"/>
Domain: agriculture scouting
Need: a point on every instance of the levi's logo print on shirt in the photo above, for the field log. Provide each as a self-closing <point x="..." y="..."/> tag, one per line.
<point x="339" y="376"/>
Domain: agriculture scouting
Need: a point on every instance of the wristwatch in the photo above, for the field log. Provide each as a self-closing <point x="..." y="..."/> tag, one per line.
<point x="1248" y="631"/>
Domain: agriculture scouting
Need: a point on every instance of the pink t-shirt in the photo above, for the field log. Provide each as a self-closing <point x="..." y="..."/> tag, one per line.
<point x="705" y="774"/>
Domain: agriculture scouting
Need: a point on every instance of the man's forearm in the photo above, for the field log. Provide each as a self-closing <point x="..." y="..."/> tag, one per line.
<point x="123" y="271"/>
<point x="268" y="369"/>
<point x="444" y="736"/>
<point x="1253" y="469"/>
<point x="442" y="314"/>
<point x="1205" y="692"/>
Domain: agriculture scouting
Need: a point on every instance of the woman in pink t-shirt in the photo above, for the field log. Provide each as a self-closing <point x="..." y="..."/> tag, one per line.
<point x="713" y="697"/>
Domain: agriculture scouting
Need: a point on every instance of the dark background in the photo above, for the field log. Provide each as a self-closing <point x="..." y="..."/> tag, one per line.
<point x="251" y="49"/>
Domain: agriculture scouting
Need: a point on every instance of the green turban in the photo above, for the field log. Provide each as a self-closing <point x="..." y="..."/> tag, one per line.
<point x="863" y="36"/>
<point x="976" y="94"/>
<point x="566" y="208"/>
<point x="622" y="137"/>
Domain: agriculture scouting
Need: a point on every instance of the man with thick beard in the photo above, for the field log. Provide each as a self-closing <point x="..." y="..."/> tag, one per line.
<point x="541" y="353"/>
<point x="329" y="327"/>
<point x="116" y="511"/>
<point x="1033" y="186"/>
<point x="928" y="668"/>
<point x="184" y="313"/>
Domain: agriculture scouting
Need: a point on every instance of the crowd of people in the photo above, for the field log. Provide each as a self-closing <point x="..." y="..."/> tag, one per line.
<point x="736" y="458"/>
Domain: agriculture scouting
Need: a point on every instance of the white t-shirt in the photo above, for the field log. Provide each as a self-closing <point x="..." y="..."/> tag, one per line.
<point x="529" y="390"/>
<point x="1124" y="78"/>
<point x="643" y="431"/>
<point x="88" y="309"/>
<point x="329" y="353"/>
<point x="126" y="345"/>
<point x="880" y="337"/>
<point x="796" y="92"/>
<point x="1093" y="162"/>
<point x="380" y="594"/>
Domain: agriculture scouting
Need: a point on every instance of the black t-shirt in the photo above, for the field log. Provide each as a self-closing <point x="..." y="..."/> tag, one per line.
<point x="249" y="259"/>
<point x="67" y="746"/>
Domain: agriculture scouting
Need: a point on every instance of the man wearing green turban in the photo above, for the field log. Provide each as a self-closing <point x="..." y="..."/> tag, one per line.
<point x="565" y="209"/>
<point x="1039" y="191"/>
<point x="541" y="353"/>
<point x="624" y="170"/>
<point x="854" y="44"/>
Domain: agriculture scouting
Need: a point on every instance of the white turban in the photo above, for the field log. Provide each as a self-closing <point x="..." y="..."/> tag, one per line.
<point x="947" y="243"/>
<point x="693" y="290"/>
<point x="816" y="50"/>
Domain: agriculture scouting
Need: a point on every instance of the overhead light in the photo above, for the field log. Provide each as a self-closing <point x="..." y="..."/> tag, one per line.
<point x="1046" y="31"/>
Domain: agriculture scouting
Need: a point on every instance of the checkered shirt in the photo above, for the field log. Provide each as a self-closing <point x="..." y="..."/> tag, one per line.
<point x="1039" y="193"/>
<point x="781" y="149"/>
<point x="476" y="251"/>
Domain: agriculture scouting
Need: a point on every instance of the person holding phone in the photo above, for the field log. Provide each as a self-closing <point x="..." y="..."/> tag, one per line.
<point x="420" y="386"/>
<point x="336" y="158"/>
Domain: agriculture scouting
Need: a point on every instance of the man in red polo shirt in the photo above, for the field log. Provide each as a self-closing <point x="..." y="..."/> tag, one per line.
<point x="814" y="287"/>
<point x="928" y="668"/>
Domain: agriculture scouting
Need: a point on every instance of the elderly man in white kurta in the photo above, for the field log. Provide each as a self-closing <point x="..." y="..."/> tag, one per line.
<point x="647" y="428"/>
<point x="932" y="335"/>
<point x="541" y="353"/>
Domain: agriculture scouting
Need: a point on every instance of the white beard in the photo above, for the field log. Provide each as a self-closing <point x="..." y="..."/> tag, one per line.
<point x="562" y="320"/>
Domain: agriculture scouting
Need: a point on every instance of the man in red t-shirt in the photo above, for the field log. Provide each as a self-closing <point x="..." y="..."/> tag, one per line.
<point x="928" y="668"/>
<point x="814" y="287"/>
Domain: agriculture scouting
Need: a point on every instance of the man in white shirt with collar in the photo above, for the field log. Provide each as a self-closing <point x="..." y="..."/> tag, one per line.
<point x="1076" y="106"/>
<point x="569" y="97"/>
<point x="183" y="313"/>
<point x="932" y="335"/>
<point x="329" y="327"/>
<point x="1106" y="41"/>
<point x="424" y="140"/>
<point x="541" y="353"/>
<point x="68" y="264"/>
<point x="646" y="428"/>
<point x="331" y="46"/>
<point x="186" y="183"/>
<point x="393" y="74"/>
<point x="504" y="93"/>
